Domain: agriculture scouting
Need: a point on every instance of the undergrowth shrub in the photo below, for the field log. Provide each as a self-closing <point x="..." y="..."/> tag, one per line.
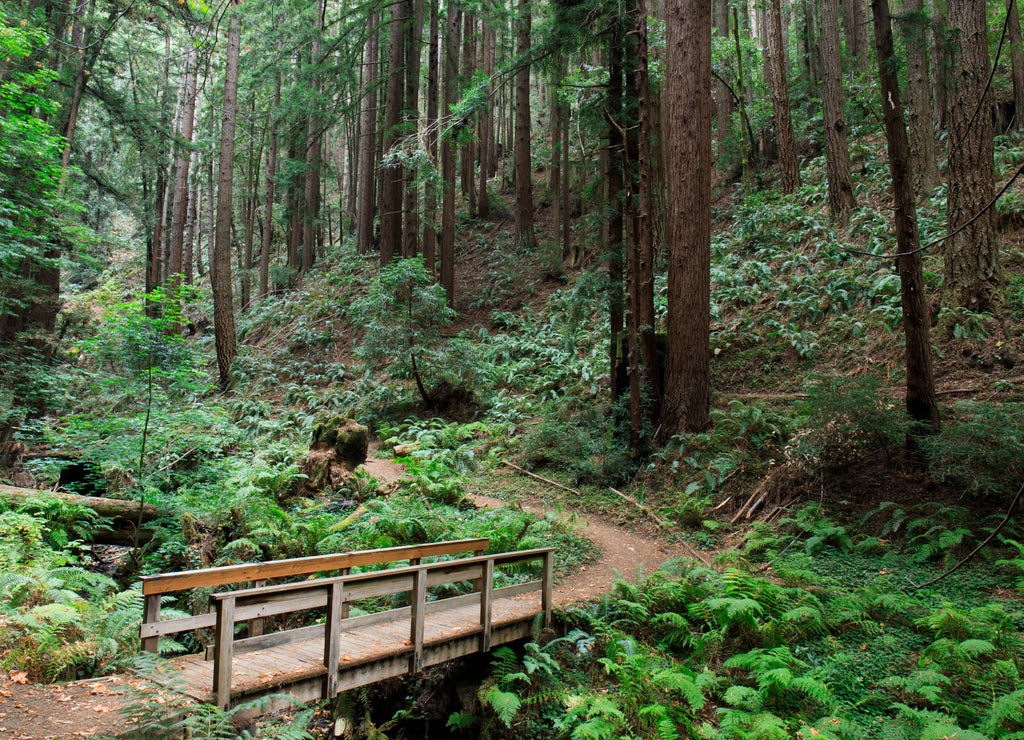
<point x="980" y="448"/>
<point x="60" y="620"/>
<point x="845" y="418"/>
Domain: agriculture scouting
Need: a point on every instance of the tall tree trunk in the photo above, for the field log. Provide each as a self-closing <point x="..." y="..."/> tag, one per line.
<point x="391" y="195"/>
<point x="268" y="207"/>
<point x="972" y="274"/>
<point x="367" y="141"/>
<point x="921" y="131"/>
<point x="748" y="155"/>
<point x="433" y="89"/>
<point x="921" y="402"/>
<point x="448" y="165"/>
<point x="524" y="239"/>
<point x="179" y="209"/>
<point x="486" y="125"/>
<point x="1016" y="64"/>
<point x="411" y="238"/>
<point x="779" y="86"/>
<point x="856" y="35"/>
<point x="687" y="90"/>
<point x="724" y="103"/>
<point x="220" y="269"/>
<point x="566" y="209"/>
<point x="469" y="147"/>
<point x="646" y="318"/>
<point x="841" y="198"/>
<point x="616" y="198"/>
<point x="314" y="151"/>
<point x="939" y="61"/>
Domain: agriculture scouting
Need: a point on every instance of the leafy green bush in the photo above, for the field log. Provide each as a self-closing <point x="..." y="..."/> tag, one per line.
<point x="844" y="418"/>
<point x="980" y="448"/>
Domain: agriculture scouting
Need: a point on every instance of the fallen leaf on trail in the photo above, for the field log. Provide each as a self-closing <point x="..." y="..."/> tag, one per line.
<point x="19" y="676"/>
<point x="101" y="710"/>
<point x="98" y="690"/>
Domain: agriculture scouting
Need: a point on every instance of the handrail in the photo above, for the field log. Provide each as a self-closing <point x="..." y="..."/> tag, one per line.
<point x="154" y="586"/>
<point x="336" y="592"/>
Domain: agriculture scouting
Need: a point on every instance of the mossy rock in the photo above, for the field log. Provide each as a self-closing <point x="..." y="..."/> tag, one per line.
<point x="348" y="439"/>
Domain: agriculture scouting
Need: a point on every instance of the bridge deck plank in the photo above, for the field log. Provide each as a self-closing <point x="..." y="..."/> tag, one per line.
<point x="283" y="665"/>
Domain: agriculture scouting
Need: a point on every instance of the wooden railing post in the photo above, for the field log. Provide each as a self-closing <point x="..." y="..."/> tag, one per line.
<point x="343" y="614"/>
<point x="224" y="648"/>
<point x="150" y="615"/>
<point x="477" y="584"/>
<point x="546" y="581"/>
<point x="256" y="625"/>
<point x="486" y="604"/>
<point x="332" y="638"/>
<point x="418" y="607"/>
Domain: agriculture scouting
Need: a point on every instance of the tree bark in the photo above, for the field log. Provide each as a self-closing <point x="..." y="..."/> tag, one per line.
<point x="268" y="207"/>
<point x="921" y="402"/>
<point x="939" y="60"/>
<point x="448" y="166"/>
<point x="1016" y="64"/>
<point x="687" y="91"/>
<point x="433" y="91"/>
<point x="314" y="150"/>
<point x="524" y="239"/>
<point x="367" y="142"/>
<point x="841" y="198"/>
<point x="411" y="236"/>
<point x="391" y="194"/>
<point x="179" y="209"/>
<point x="220" y="269"/>
<point x="971" y="266"/>
<point x="486" y="126"/>
<point x="779" y="86"/>
<point x="616" y="149"/>
<point x="921" y="131"/>
<point x="646" y="318"/>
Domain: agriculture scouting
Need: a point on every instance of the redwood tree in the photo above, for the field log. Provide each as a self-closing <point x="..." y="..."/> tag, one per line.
<point x="687" y="95"/>
<point x="921" y="402"/>
<point x="220" y="268"/>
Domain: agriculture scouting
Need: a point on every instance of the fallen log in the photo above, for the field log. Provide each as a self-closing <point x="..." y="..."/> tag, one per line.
<point x="126" y="515"/>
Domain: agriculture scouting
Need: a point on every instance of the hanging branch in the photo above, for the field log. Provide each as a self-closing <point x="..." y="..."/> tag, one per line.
<point x="978" y="548"/>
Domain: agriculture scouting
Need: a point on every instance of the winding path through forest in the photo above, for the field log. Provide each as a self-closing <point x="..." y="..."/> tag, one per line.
<point x="83" y="709"/>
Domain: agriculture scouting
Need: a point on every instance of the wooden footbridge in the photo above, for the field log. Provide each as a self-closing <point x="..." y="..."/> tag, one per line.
<point x="340" y="652"/>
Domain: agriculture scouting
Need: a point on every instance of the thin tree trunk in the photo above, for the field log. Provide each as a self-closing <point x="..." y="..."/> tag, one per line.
<point x="179" y="209"/>
<point x="921" y="402"/>
<point x="723" y="99"/>
<point x="779" y="86"/>
<point x="391" y="195"/>
<point x="524" y="240"/>
<point x="433" y="89"/>
<point x="615" y="145"/>
<point x="1016" y="64"/>
<point x="646" y="318"/>
<point x="841" y="198"/>
<point x="367" y="142"/>
<point x="314" y="152"/>
<point x="223" y="307"/>
<point x="269" y="190"/>
<point x="448" y="165"/>
<point x="921" y="131"/>
<point x="411" y="238"/>
<point x="486" y="125"/>
<point x="939" y="60"/>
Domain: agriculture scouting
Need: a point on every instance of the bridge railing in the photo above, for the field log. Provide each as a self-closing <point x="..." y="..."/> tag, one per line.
<point x="154" y="587"/>
<point x="336" y="593"/>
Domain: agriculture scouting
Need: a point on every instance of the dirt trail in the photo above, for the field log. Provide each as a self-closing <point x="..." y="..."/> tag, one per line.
<point x="89" y="708"/>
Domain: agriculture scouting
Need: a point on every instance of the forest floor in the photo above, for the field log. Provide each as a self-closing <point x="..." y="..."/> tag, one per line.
<point x="93" y="707"/>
